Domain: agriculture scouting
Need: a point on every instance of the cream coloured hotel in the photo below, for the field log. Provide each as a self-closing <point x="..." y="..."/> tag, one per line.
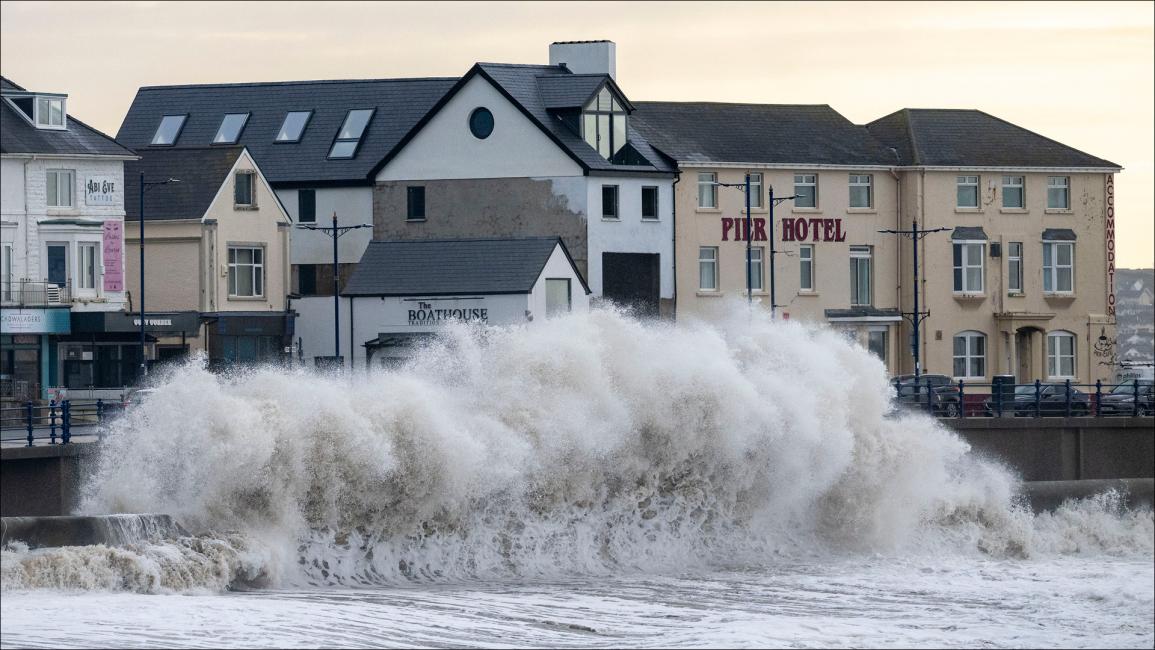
<point x="1015" y="279"/>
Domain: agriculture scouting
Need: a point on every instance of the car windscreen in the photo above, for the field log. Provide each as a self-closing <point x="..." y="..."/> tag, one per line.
<point x="1129" y="389"/>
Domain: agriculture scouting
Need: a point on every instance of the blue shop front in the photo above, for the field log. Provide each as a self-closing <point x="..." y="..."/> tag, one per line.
<point x="28" y="347"/>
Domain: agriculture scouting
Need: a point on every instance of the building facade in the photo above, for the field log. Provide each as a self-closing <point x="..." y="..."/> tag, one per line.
<point x="216" y="250"/>
<point x="61" y="233"/>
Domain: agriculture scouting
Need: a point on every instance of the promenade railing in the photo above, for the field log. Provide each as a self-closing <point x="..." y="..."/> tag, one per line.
<point x="55" y="422"/>
<point x="966" y="399"/>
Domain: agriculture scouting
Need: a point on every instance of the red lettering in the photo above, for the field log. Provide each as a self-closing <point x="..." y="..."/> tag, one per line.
<point x="814" y="223"/>
<point x="759" y="230"/>
<point x="787" y="230"/>
<point x="838" y="234"/>
<point x="828" y="229"/>
<point x="801" y="229"/>
<point x="727" y="224"/>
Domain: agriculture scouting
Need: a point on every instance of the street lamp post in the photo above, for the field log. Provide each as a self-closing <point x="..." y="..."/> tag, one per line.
<point x="915" y="317"/>
<point x="335" y="232"/>
<point x="745" y="185"/>
<point x="144" y="185"/>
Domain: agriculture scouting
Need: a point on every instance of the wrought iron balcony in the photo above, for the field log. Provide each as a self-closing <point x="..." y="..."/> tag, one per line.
<point x="34" y="293"/>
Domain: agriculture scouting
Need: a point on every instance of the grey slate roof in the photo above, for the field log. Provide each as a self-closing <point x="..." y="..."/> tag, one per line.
<point x="201" y="170"/>
<point x="522" y="82"/>
<point x="569" y="91"/>
<point x="399" y="104"/>
<point x="452" y="266"/>
<point x="17" y="136"/>
<point x="971" y="233"/>
<point x="757" y="133"/>
<point x="1059" y="234"/>
<point x="971" y="138"/>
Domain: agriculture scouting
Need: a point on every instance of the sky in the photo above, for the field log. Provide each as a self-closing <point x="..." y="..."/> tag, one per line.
<point x="1079" y="73"/>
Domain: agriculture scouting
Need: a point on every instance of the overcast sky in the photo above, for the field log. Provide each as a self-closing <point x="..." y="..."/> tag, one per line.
<point x="1082" y="74"/>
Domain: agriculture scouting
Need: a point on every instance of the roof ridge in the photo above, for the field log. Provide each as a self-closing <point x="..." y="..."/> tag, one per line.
<point x="522" y="65"/>
<point x="464" y="239"/>
<point x="651" y="101"/>
<point x="302" y="82"/>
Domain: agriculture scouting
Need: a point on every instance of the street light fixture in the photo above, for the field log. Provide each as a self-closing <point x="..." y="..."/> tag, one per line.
<point x="915" y="317"/>
<point x="335" y="232"/>
<point x="144" y="186"/>
<point x="769" y="235"/>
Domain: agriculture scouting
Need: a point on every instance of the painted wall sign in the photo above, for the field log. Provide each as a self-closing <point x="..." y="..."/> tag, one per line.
<point x="100" y="190"/>
<point x="1110" y="225"/>
<point x="426" y="313"/>
<point x="813" y="229"/>
<point x="35" y="321"/>
<point x="113" y="256"/>
<point x="741" y="230"/>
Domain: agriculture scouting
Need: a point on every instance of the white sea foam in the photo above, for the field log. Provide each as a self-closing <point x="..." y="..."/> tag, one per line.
<point x="586" y="445"/>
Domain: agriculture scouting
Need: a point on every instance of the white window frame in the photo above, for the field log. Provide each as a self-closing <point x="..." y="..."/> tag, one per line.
<point x="705" y="261"/>
<point x="861" y="180"/>
<point x="256" y="268"/>
<point x="961" y="279"/>
<point x="757" y="268"/>
<point x="757" y="202"/>
<point x="52" y="195"/>
<point x="45" y="122"/>
<point x="861" y="253"/>
<point x="974" y="362"/>
<point x="83" y="281"/>
<point x="800" y="180"/>
<point x="1015" y="182"/>
<point x="1052" y="268"/>
<point x="966" y="181"/>
<point x="1065" y="187"/>
<point x="806" y="268"/>
<point x="1015" y="268"/>
<point x="1055" y="357"/>
<point x="252" y="189"/>
<point x="708" y="181"/>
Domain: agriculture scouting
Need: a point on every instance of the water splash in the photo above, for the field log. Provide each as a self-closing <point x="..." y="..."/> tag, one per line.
<point x="585" y="445"/>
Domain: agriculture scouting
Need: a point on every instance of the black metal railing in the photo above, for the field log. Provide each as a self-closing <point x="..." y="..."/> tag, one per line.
<point x="963" y="399"/>
<point x="55" y="420"/>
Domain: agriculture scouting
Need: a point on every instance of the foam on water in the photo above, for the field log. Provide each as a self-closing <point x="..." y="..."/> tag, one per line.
<point x="586" y="445"/>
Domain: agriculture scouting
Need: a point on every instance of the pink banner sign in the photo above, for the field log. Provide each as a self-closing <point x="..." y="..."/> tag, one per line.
<point x="113" y="256"/>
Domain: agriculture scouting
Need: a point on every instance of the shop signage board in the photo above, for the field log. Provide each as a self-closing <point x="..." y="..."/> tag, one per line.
<point x="816" y="229"/>
<point x="113" y="256"/>
<point x="100" y="190"/>
<point x="34" y="321"/>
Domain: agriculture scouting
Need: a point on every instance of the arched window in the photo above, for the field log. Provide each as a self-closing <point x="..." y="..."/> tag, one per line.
<point x="1060" y="355"/>
<point x="970" y="355"/>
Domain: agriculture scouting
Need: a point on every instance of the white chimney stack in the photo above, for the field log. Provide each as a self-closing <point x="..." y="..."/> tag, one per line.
<point x="585" y="57"/>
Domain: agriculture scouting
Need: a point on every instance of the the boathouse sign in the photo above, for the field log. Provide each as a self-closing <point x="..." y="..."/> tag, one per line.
<point x="431" y="313"/>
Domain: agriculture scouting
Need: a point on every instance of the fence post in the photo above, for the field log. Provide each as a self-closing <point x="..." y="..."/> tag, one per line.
<point x="1098" y="398"/>
<point x="67" y="434"/>
<point x="1135" y="398"/>
<point x="1038" y="396"/>
<point x="962" y="401"/>
<point x="52" y="421"/>
<point x="1067" y="400"/>
<point x="28" y="419"/>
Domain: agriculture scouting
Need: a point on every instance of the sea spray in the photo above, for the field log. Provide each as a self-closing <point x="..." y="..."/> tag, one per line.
<point x="591" y="444"/>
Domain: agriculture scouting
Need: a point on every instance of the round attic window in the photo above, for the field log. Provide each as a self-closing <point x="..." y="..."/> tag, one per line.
<point x="481" y="123"/>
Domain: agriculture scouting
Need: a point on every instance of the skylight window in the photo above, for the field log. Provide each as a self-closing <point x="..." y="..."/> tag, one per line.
<point x="293" y="126"/>
<point x="345" y="146"/>
<point x="230" y="128"/>
<point x="169" y="129"/>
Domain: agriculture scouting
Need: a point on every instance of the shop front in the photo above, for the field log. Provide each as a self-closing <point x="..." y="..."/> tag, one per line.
<point x="27" y="350"/>
<point x="248" y="338"/>
<point x="101" y="356"/>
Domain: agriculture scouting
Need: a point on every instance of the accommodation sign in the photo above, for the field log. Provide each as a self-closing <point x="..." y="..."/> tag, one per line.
<point x="100" y="190"/>
<point x="113" y="256"/>
<point x="427" y="314"/>
<point x="1110" y="224"/>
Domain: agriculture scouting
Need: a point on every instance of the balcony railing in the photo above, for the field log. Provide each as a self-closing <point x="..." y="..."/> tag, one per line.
<point x="34" y="293"/>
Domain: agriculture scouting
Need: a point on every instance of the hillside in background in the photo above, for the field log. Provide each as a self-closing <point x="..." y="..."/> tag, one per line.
<point x="1135" y="315"/>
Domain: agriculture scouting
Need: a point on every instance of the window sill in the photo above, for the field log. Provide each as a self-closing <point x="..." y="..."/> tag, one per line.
<point x="1014" y="211"/>
<point x="612" y="219"/>
<point x="709" y="294"/>
<point x="245" y="208"/>
<point x="968" y="210"/>
<point x="415" y="221"/>
<point x="1016" y="294"/>
<point x="806" y="210"/>
<point x="247" y="298"/>
<point x="969" y="296"/>
<point x="1058" y="211"/>
<point x="708" y="210"/>
<point x="754" y="211"/>
<point x="808" y="294"/>
<point x="861" y="211"/>
<point x="1059" y="296"/>
<point x="651" y="220"/>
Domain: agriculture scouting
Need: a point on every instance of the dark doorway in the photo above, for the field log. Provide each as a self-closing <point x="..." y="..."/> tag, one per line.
<point x="632" y="280"/>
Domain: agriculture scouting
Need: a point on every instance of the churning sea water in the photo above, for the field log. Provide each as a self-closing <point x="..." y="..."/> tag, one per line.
<point x="586" y="481"/>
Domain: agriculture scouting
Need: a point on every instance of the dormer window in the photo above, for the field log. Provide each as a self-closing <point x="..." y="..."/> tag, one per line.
<point x="169" y="130"/>
<point x="50" y="113"/>
<point x="604" y="123"/>
<point x="349" y="137"/>
<point x="230" y="129"/>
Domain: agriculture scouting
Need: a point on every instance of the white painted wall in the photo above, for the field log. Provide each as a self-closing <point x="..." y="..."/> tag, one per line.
<point x="557" y="267"/>
<point x="353" y="205"/>
<point x="629" y="233"/>
<point x="445" y="148"/>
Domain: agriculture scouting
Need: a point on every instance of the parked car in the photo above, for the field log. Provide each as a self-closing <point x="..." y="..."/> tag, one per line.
<point x="1121" y="399"/>
<point x="944" y="394"/>
<point x="1052" y="402"/>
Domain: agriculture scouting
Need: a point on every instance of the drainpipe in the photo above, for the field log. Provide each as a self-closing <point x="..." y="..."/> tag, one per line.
<point x="674" y="236"/>
<point x="898" y="261"/>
